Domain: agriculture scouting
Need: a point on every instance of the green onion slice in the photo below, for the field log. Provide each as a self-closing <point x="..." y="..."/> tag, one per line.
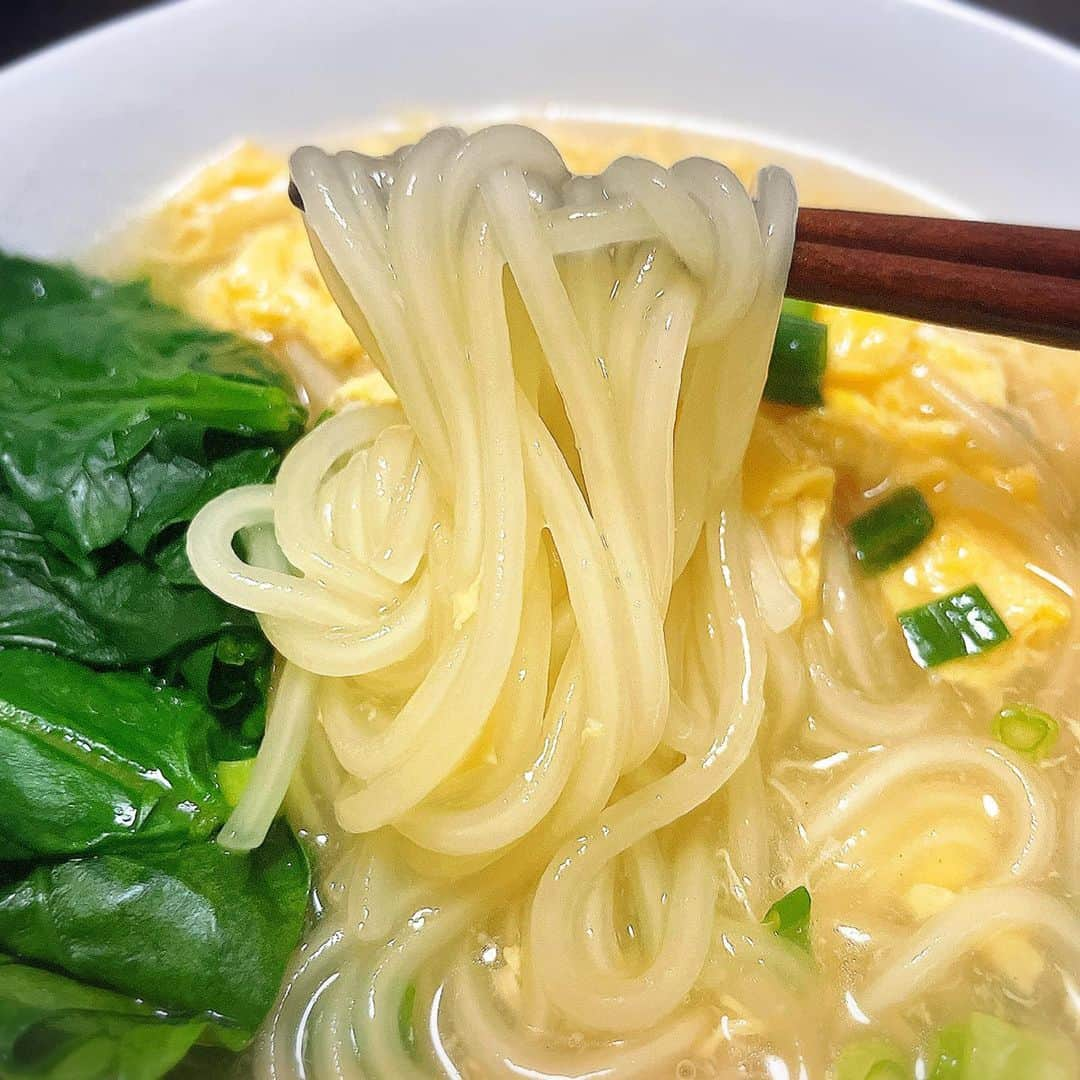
<point x="964" y="623"/>
<point x="1026" y="730"/>
<point x="948" y="1053"/>
<point x="798" y="359"/>
<point x="888" y="1070"/>
<point x="986" y="1048"/>
<point x="789" y="917"/>
<point x="872" y="1059"/>
<point x="803" y="308"/>
<point x="233" y="778"/>
<point x="893" y="528"/>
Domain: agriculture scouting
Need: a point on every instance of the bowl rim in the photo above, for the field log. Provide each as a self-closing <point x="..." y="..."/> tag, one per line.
<point x="163" y="11"/>
<point x="127" y="73"/>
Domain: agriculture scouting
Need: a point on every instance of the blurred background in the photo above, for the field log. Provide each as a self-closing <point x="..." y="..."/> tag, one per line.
<point x="33" y="25"/>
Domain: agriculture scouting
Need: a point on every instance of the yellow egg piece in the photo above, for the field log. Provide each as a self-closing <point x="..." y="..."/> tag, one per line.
<point x="789" y="490"/>
<point x="231" y="249"/>
<point x="960" y="553"/>
<point x="271" y="289"/>
<point x="217" y="210"/>
<point x="367" y="389"/>
<point x="877" y="397"/>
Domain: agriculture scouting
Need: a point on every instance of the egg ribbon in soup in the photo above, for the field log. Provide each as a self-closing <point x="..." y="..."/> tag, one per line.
<point x="618" y="729"/>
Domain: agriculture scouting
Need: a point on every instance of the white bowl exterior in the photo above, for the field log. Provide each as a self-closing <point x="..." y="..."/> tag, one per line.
<point x="969" y="109"/>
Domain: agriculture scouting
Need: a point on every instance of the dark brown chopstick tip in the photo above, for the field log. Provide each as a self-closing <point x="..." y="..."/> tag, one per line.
<point x="991" y="299"/>
<point x="1032" y="249"/>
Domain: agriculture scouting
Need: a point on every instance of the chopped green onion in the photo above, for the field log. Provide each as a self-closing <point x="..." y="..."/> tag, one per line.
<point x="233" y="777"/>
<point x="798" y="361"/>
<point x="872" y="1059"/>
<point x="893" y="528"/>
<point x="964" y="623"/>
<point x="888" y="1070"/>
<point x="986" y="1048"/>
<point x="805" y="309"/>
<point x="1026" y="730"/>
<point x="405" y="1018"/>
<point x="789" y="917"/>
<point x="948" y="1052"/>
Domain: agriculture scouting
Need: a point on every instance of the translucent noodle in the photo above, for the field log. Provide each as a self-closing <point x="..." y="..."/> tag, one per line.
<point x="539" y="660"/>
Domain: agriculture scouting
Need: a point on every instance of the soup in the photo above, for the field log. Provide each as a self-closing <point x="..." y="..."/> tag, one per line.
<point x="843" y="859"/>
<point x="640" y="726"/>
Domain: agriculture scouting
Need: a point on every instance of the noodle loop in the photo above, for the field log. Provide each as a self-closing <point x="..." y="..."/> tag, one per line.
<point x="536" y="637"/>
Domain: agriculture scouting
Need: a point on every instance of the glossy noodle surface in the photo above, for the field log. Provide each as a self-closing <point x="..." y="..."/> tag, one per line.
<point x="595" y="698"/>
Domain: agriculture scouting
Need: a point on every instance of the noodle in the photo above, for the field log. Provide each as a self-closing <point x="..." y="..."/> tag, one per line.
<point x="539" y="659"/>
<point x="1032" y="818"/>
<point x="943" y="939"/>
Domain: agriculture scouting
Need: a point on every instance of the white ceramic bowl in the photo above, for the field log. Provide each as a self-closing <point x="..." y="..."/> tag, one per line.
<point x="971" y="110"/>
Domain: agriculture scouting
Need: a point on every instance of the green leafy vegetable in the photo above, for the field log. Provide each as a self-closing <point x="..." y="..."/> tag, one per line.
<point x="128" y="616"/>
<point x="789" y="917"/>
<point x="116" y="411"/>
<point x="986" y="1048"/>
<point x="797" y="366"/>
<point x="93" y="761"/>
<point x="167" y="489"/>
<point x="28" y="283"/>
<point x="196" y="930"/>
<point x="872" y="1059"/>
<point x="892" y="529"/>
<point x="1026" y="730"/>
<point x="53" y="1028"/>
<point x="119" y="419"/>
<point x="134" y="617"/>
<point x="964" y="623"/>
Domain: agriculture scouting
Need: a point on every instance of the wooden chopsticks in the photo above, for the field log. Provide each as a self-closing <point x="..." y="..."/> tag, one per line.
<point x="1019" y="280"/>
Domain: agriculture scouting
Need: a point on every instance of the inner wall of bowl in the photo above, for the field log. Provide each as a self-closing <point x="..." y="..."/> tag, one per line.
<point x="968" y="111"/>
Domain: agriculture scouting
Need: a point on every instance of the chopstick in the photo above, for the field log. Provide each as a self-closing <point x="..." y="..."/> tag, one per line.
<point x="1012" y="247"/>
<point x="1019" y="280"/>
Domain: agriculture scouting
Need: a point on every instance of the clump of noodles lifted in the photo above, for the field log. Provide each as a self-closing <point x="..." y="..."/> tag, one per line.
<point x="533" y="621"/>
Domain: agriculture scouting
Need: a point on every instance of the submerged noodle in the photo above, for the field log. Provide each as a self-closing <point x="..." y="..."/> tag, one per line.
<point x="545" y="645"/>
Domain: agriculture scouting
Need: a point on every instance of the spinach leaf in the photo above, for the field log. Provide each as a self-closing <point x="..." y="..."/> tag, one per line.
<point x="134" y="615"/>
<point x="128" y="616"/>
<point x="119" y="419"/>
<point x="167" y="488"/>
<point x="53" y="1028"/>
<point x="98" y="761"/>
<point x="27" y="282"/>
<point x="197" y="931"/>
<point x="93" y="377"/>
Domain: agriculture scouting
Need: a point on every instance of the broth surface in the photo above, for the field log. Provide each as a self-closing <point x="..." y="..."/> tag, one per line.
<point x="877" y="785"/>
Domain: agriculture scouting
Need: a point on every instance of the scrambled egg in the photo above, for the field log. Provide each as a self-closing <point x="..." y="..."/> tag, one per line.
<point x="230" y="248"/>
<point x="368" y="389"/>
<point x="1009" y="951"/>
<point x="960" y="552"/>
<point x="879" y="421"/>
<point x="789" y="489"/>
